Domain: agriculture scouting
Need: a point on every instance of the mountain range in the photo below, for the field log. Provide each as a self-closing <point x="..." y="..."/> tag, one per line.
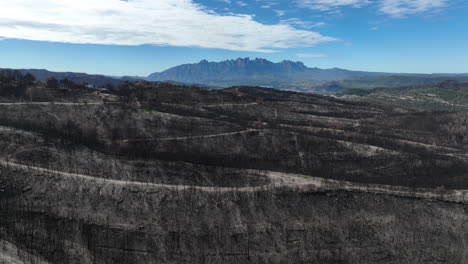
<point x="289" y="75"/>
<point x="256" y="72"/>
<point x="284" y="75"/>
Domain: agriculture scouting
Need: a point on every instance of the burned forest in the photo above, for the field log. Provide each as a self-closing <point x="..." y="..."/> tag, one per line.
<point x="153" y="172"/>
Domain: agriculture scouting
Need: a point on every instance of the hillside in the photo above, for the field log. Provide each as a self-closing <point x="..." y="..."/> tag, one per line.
<point x="444" y="96"/>
<point x="392" y="81"/>
<point x="164" y="173"/>
<point x="93" y="79"/>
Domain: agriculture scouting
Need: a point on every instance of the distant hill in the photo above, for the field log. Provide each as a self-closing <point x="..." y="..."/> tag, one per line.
<point x="289" y="75"/>
<point x="393" y="81"/>
<point x="94" y="79"/>
<point x="444" y="96"/>
<point x="285" y="75"/>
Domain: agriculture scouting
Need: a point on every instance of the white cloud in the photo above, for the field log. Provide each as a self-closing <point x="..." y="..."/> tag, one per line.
<point x="242" y="3"/>
<point x="138" y="22"/>
<point x="401" y="8"/>
<point x="394" y="8"/>
<point x="325" y="5"/>
<point x="301" y="23"/>
<point x="312" y="55"/>
<point x="280" y="12"/>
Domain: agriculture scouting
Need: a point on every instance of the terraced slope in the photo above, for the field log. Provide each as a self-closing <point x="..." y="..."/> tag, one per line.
<point x="174" y="174"/>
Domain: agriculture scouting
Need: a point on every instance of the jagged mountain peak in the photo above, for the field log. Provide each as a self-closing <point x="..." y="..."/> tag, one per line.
<point x="255" y="72"/>
<point x="234" y="68"/>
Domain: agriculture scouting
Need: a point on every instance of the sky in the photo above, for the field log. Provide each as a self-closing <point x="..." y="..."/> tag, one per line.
<point x="139" y="37"/>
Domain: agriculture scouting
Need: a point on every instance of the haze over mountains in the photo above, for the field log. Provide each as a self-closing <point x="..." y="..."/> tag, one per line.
<point x="285" y="75"/>
<point x="257" y="72"/>
<point x="247" y="68"/>
<point x="289" y="75"/>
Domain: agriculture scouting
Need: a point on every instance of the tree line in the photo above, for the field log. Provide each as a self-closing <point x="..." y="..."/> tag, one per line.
<point x="13" y="83"/>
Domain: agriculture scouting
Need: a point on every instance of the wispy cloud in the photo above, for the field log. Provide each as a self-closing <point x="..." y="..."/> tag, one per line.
<point x="326" y="5"/>
<point x="393" y="8"/>
<point x="301" y="23"/>
<point x="138" y="22"/>
<point x="402" y="8"/>
<point x="280" y="12"/>
<point x="242" y="3"/>
<point x="312" y="55"/>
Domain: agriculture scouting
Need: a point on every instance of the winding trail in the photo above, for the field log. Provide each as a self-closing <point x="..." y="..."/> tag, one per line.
<point x="100" y="180"/>
<point x="10" y="254"/>
<point x="229" y="105"/>
<point x="278" y="180"/>
<point x="192" y="137"/>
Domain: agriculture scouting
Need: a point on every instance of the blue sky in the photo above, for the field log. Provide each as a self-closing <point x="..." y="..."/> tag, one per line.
<point x="138" y="37"/>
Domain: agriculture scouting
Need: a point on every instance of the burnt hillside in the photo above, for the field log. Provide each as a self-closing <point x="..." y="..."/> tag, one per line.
<point x="160" y="173"/>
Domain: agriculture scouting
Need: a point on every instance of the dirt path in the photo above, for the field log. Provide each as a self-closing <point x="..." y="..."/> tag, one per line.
<point x="307" y="183"/>
<point x="296" y="182"/>
<point x="192" y="137"/>
<point x="100" y="180"/>
<point x="10" y="254"/>
<point x="221" y="105"/>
